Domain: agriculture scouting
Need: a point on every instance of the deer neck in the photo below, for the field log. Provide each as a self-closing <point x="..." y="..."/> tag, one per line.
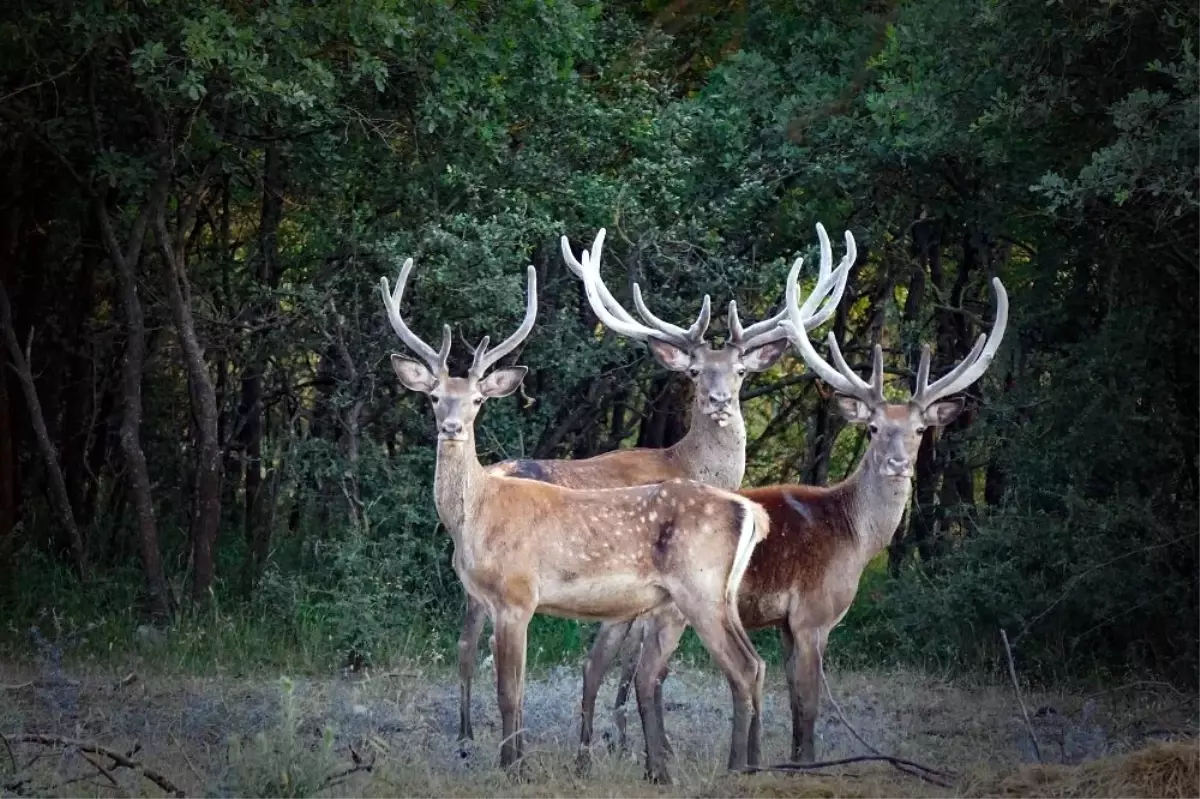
<point x="876" y="504"/>
<point x="457" y="482"/>
<point x="711" y="453"/>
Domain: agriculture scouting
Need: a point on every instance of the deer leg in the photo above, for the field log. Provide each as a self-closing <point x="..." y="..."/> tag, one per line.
<point x="607" y="644"/>
<point x="804" y="685"/>
<point x="628" y="670"/>
<point x="661" y="638"/>
<point x="754" y="737"/>
<point x="511" y="629"/>
<point x="468" y="653"/>
<point x="720" y="635"/>
<point x="668" y="615"/>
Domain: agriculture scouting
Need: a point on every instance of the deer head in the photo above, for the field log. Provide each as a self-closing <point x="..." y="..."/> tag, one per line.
<point x="895" y="428"/>
<point x="456" y="400"/>
<point x="717" y="373"/>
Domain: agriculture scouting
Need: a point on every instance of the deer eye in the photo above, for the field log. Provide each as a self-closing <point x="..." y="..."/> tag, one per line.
<point x="920" y="429"/>
<point x="477" y="401"/>
<point x="873" y="428"/>
<point x="435" y="399"/>
<point x="740" y="371"/>
<point x="694" y="371"/>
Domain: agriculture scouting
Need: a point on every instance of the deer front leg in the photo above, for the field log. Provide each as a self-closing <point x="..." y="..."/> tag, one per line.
<point x="511" y="634"/>
<point x="607" y="644"/>
<point x="804" y="689"/>
<point x="468" y="653"/>
<point x="659" y="642"/>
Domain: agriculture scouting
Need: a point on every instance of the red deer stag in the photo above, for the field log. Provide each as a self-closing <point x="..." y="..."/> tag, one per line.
<point x="714" y="449"/>
<point x="803" y="578"/>
<point x="523" y="547"/>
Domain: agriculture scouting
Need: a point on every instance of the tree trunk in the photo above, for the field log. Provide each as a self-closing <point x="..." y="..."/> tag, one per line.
<point x="258" y="539"/>
<point x="206" y="507"/>
<point x="59" y="499"/>
<point x="136" y="469"/>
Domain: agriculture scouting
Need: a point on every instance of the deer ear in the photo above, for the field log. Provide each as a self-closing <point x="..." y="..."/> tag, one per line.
<point x="762" y="358"/>
<point x="502" y="382"/>
<point x="414" y="375"/>
<point x="853" y="409"/>
<point x="669" y="355"/>
<point x="944" y="412"/>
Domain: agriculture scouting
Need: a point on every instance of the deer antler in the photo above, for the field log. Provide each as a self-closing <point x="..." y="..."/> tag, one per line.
<point x="436" y="361"/>
<point x="831" y="285"/>
<point x="842" y="378"/>
<point x="483" y="359"/>
<point x="973" y="366"/>
<point x="616" y="318"/>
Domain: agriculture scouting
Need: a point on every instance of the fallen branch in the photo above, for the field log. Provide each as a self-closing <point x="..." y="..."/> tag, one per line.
<point x="910" y="767"/>
<point x="338" y="777"/>
<point x="1012" y="673"/>
<point x="119" y="760"/>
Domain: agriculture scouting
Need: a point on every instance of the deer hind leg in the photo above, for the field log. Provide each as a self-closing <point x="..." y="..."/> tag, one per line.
<point x="606" y="646"/>
<point x="754" y="742"/>
<point x="511" y="635"/>
<point x="804" y="688"/>
<point x="629" y="668"/>
<point x="670" y="615"/>
<point x="662" y="637"/>
<point x="468" y="653"/>
<point x="721" y="633"/>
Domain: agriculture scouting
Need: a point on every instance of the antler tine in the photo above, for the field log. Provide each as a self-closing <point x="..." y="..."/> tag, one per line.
<point x="687" y="338"/>
<point x="485" y="360"/>
<point x="610" y="302"/>
<point x="842" y="379"/>
<point x="391" y="300"/>
<point x="736" y="333"/>
<point x="477" y="367"/>
<point x="820" y="305"/>
<point x="974" y="365"/>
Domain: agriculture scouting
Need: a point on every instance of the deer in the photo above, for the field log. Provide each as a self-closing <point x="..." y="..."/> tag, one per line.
<point x="523" y="547"/>
<point x="804" y="578"/>
<point x="713" y="450"/>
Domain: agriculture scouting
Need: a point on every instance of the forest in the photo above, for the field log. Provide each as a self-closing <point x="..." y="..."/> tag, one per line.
<point x="201" y="437"/>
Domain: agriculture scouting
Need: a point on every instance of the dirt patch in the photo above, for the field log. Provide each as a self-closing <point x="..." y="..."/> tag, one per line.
<point x="223" y="736"/>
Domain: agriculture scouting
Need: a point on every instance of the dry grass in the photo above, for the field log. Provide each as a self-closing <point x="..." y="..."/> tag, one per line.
<point x="221" y="736"/>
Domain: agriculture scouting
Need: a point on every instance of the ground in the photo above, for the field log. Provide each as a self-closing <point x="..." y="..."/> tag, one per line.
<point x="273" y="736"/>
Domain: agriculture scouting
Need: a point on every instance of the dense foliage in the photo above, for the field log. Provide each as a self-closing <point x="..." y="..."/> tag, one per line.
<point x="202" y="195"/>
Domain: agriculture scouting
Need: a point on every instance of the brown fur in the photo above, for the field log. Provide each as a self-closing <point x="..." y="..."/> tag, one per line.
<point x="796" y="557"/>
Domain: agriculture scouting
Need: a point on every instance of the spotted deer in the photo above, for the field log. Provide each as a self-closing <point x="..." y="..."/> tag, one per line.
<point x="523" y="547"/>
<point x="803" y="578"/>
<point x="714" y="449"/>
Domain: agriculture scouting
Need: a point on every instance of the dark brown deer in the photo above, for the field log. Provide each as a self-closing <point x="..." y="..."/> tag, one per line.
<point x="523" y="547"/>
<point x="714" y="449"/>
<point x="804" y="577"/>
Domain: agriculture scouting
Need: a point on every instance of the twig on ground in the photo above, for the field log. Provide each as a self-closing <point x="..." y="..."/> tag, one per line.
<point x="1012" y="673"/>
<point x="187" y="759"/>
<point x="119" y="760"/>
<point x="11" y="757"/>
<point x="340" y="776"/>
<point x="16" y="687"/>
<point x="127" y="680"/>
<point x="99" y="767"/>
<point x="909" y="767"/>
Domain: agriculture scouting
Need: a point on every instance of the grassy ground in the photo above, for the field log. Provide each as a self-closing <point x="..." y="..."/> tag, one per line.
<point x="266" y="735"/>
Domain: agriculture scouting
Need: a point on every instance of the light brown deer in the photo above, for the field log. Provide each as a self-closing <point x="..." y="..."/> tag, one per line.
<point x="714" y="449"/>
<point x="804" y="577"/>
<point x="523" y="547"/>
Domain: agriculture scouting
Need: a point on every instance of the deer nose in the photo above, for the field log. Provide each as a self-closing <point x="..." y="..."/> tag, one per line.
<point x="898" y="465"/>
<point x="719" y="397"/>
<point x="452" y="427"/>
